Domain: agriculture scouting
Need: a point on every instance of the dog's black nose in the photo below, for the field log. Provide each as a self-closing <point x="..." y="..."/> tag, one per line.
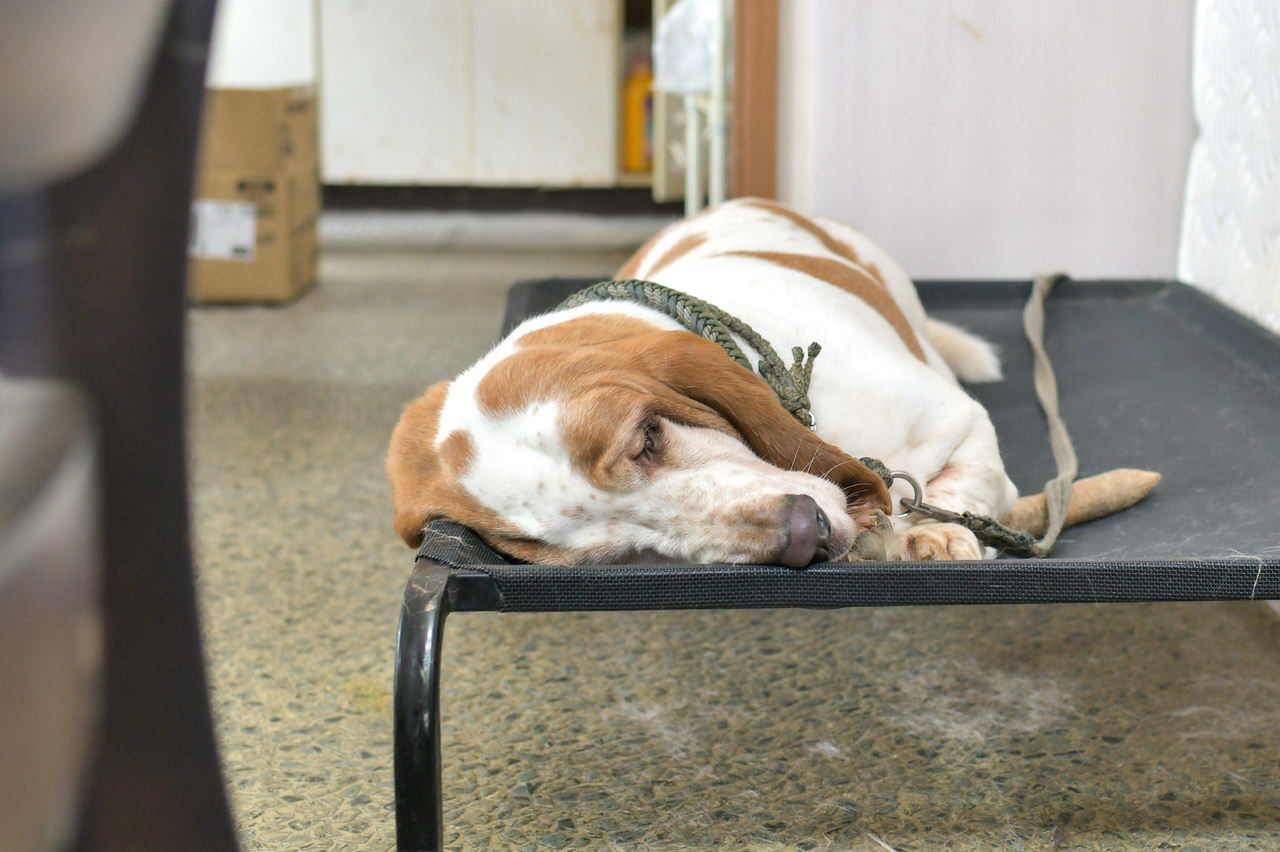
<point x="807" y="529"/>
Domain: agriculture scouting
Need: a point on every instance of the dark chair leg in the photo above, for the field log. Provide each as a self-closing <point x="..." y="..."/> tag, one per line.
<point x="114" y="259"/>
<point x="427" y="601"/>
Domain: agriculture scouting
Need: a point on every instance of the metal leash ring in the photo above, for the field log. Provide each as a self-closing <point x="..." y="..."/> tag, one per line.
<point x="916" y="505"/>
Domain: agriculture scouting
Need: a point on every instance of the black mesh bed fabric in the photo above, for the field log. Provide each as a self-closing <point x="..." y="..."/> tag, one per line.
<point x="1151" y="374"/>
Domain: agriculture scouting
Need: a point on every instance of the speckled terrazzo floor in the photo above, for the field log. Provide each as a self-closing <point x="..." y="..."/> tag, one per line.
<point x="1019" y="728"/>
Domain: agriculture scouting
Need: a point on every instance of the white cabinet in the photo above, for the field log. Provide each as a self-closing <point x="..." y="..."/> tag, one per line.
<point x="394" y="105"/>
<point x="479" y="92"/>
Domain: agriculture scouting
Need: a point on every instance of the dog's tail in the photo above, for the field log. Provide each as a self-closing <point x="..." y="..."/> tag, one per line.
<point x="1091" y="498"/>
<point x="972" y="358"/>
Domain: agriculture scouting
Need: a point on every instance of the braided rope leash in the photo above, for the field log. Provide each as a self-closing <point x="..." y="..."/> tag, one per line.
<point x="790" y="384"/>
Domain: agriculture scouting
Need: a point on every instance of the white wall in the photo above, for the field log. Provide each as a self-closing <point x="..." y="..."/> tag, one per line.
<point x="992" y="137"/>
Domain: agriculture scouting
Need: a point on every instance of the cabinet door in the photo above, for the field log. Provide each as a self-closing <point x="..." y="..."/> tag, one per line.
<point x="498" y="92"/>
<point x="395" y="103"/>
<point x="546" y="91"/>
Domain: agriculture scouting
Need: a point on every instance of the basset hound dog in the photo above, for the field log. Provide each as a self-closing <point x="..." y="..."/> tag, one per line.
<point x="608" y="433"/>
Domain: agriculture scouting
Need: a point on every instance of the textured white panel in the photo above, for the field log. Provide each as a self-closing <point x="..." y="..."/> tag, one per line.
<point x="546" y="83"/>
<point x="395" y="91"/>
<point x="996" y="137"/>
<point x="1231" y="220"/>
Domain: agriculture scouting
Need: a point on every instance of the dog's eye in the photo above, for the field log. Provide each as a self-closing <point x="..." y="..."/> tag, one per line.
<point x="652" y="441"/>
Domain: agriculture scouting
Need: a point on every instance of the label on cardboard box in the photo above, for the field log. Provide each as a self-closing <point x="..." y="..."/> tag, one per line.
<point x="224" y="230"/>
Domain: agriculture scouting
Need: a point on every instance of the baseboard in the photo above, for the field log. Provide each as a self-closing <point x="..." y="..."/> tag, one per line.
<point x="525" y="231"/>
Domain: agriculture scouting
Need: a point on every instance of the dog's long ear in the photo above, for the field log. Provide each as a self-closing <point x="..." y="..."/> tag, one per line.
<point x="698" y="369"/>
<point x="414" y="465"/>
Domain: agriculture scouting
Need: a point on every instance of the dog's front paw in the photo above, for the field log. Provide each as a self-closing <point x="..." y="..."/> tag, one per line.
<point x="876" y="543"/>
<point x="929" y="542"/>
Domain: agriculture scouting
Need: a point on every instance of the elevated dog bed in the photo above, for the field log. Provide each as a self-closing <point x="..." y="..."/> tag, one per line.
<point x="1151" y="375"/>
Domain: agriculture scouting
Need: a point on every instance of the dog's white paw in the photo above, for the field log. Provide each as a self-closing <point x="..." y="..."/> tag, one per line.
<point x="929" y="542"/>
<point x="876" y="543"/>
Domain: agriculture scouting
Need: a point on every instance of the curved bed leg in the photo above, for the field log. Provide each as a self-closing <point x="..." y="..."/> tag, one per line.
<point x="419" y="820"/>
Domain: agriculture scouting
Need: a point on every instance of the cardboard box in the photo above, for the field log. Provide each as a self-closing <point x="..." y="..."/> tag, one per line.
<point x="257" y="197"/>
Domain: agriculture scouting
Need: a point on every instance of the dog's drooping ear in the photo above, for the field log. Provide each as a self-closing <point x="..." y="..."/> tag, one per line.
<point x="414" y="465"/>
<point x="698" y="369"/>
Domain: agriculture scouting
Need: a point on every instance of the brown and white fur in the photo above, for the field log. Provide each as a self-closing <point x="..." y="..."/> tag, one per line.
<point x="608" y="433"/>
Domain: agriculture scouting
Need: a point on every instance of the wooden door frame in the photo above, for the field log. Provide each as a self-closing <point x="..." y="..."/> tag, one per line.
<point x="753" y="139"/>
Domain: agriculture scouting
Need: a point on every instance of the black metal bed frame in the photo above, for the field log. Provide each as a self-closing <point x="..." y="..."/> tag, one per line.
<point x="1165" y="352"/>
<point x="456" y="572"/>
